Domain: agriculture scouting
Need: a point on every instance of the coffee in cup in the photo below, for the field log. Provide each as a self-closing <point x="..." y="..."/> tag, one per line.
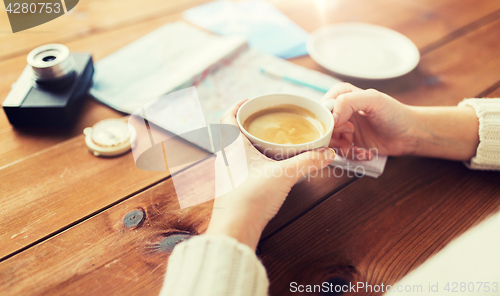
<point x="285" y="124"/>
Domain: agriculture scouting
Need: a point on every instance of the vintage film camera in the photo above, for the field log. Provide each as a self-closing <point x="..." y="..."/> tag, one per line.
<point x="51" y="89"/>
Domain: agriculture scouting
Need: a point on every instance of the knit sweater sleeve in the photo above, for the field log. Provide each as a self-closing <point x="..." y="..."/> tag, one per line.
<point x="214" y="266"/>
<point x="488" y="151"/>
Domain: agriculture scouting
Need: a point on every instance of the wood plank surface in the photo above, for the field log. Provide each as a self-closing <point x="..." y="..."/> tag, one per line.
<point x="463" y="68"/>
<point x="50" y="190"/>
<point x="493" y="94"/>
<point x="307" y="194"/>
<point x="377" y="230"/>
<point x="18" y="143"/>
<point x="102" y="255"/>
<point x="371" y="230"/>
<point x="115" y="260"/>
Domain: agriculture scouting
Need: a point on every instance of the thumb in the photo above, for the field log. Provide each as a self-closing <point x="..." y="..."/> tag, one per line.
<point x="308" y="162"/>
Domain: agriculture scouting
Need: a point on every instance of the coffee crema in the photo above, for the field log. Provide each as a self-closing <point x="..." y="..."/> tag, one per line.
<point x="285" y="124"/>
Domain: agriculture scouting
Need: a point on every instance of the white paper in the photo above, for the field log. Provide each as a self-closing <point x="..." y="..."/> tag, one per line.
<point x="372" y="168"/>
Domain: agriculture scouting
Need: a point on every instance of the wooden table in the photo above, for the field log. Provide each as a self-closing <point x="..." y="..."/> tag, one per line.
<point x="62" y="210"/>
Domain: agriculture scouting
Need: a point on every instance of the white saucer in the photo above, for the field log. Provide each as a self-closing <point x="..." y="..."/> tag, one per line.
<point x="363" y="51"/>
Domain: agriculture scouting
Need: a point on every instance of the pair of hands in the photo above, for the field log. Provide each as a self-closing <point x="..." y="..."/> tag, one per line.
<point x="245" y="211"/>
<point x="365" y="121"/>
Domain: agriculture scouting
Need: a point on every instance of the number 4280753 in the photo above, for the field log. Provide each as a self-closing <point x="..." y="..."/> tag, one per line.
<point x="34" y="8"/>
<point x="471" y="287"/>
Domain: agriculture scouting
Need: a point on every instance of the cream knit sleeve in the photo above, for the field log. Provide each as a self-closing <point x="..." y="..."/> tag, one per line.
<point x="214" y="266"/>
<point x="488" y="151"/>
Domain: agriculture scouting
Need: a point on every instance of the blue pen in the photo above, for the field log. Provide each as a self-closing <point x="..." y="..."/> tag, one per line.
<point x="293" y="80"/>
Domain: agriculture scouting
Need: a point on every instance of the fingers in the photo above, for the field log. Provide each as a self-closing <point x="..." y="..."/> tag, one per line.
<point x="346" y="128"/>
<point x="343" y="142"/>
<point x="338" y="89"/>
<point x="348" y="103"/>
<point x="350" y="99"/>
<point x="342" y="135"/>
<point x="308" y="162"/>
<point x="230" y="116"/>
<point x="350" y="152"/>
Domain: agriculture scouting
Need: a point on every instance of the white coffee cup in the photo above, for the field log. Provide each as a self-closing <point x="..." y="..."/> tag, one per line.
<point x="282" y="151"/>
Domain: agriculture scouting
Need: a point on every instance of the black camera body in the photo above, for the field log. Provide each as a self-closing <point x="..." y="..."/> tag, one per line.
<point x="51" y="89"/>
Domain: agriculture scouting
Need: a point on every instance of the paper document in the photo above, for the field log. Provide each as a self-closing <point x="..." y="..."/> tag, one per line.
<point x="372" y="168"/>
<point x="163" y="61"/>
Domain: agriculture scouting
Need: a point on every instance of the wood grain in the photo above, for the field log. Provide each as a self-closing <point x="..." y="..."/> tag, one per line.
<point x="76" y="261"/>
<point x="377" y="230"/>
<point x="102" y="256"/>
<point x="494" y="94"/>
<point x="63" y="210"/>
<point x="48" y="191"/>
<point x="18" y="143"/>
<point x="463" y="68"/>
<point x="307" y="194"/>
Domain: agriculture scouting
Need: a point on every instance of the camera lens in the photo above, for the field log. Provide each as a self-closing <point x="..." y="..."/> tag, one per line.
<point x="49" y="58"/>
<point x="51" y="63"/>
